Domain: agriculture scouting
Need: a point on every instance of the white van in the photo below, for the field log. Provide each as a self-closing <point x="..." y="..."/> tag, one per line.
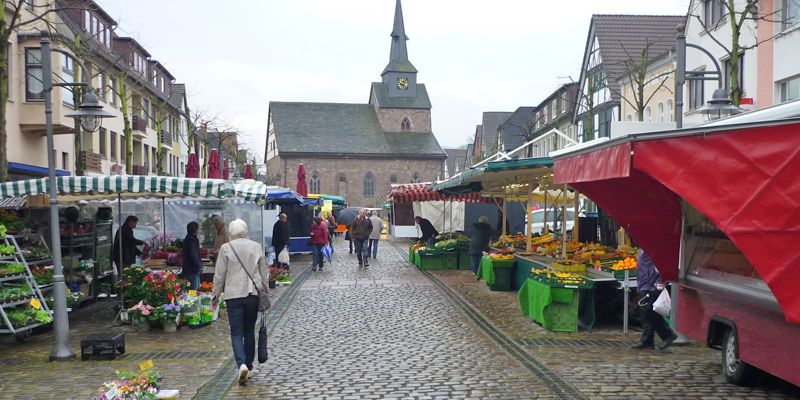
<point x="539" y="217"/>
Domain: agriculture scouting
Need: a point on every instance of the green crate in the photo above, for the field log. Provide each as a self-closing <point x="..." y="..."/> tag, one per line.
<point x="430" y="262"/>
<point x="561" y="315"/>
<point x="417" y="259"/>
<point x="464" y="259"/>
<point x="450" y="260"/>
<point x="503" y="277"/>
<point x="503" y="264"/>
<point x="411" y="254"/>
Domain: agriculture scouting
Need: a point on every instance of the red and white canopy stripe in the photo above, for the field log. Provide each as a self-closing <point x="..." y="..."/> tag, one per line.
<point x="410" y="192"/>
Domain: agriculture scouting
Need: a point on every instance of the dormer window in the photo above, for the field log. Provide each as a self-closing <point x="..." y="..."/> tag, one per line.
<point x="138" y="63"/>
<point x="97" y="28"/>
<point x="405" y="126"/>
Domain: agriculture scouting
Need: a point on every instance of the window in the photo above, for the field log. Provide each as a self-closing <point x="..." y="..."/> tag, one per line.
<point x="405" y="126"/>
<point x="112" y="88"/>
<point x="153" y="115"/>
<point x="369" y="185"/>
<point x="154" y="158"/>
<point x="696" y="96"/>
<point x="727" y="72"/>
<point x="103" y="87"/>
<point x="64" y="161"/>
<point x="122" y="150"/>
<point x="661" y="117"/>
<point x="714" y="11"/>
<point x="790" y="13"/>
<point x="313" y="186"/>
<point x="415" y="178"/>
<point x="113" y="146"/>
<point x="790" y="89"/>
<point x="670" y="111"/>
<point x="604" y="123"/>
<point x="34" y="87"/>
<point x="103" y="148"/>
<point x="68" y="75"/>
<point x="146" y="157"/>
<point x="393" y="178"/>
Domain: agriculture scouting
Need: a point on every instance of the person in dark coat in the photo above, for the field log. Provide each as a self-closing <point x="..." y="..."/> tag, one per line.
<point x="280" y="236"/>
<point x="648" y="287"/>
<point x="129" y="242"/>
<point x="192" y="262"/>
<point x="360" y="230"/>
<point x="429" y="233"/>
<point x="479" y="241"/>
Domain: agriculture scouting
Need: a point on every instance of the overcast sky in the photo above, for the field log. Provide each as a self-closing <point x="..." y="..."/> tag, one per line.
<point x="473" y="56"/>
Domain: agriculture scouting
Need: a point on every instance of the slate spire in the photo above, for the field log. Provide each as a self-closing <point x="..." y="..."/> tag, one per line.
<point x="398" y="55"/>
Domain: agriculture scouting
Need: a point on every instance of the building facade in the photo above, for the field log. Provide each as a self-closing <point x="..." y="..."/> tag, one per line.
<point x="359" y="150"/>
<point x="124" y="76"/>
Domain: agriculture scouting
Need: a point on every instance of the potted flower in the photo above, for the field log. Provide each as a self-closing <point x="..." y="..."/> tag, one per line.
<point x="275" y="272"/>
<point x="140" y="315"/>
<point x="169" y="316"/>
<point x="190" y="309"/>
<point x="130" y="385"/>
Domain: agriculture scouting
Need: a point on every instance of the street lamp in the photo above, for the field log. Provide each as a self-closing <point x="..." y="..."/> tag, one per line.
<point x="91" y="114"/>
<point x="720" y="103"/>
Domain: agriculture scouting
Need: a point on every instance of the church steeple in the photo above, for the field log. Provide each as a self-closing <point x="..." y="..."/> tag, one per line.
<point x="399" y="76"/>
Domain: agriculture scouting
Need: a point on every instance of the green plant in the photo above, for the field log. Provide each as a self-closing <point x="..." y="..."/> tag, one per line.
<point x="6" y="249"/>
<point x="19" y="318"/>
<point x="11" y="269"/>
<point x="42" y="316"/>
<point x="2" y="231"/>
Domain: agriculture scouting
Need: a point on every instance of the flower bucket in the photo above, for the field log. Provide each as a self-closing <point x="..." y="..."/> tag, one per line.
<point x="170" y="326"/>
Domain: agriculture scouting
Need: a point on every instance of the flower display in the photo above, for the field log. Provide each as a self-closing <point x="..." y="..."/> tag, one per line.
<point x="130" y="385"/>
<point x="206" y="287"/>
<point x="162" y="287"/>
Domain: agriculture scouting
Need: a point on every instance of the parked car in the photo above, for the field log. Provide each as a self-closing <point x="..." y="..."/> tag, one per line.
<point x="554" y="220"/>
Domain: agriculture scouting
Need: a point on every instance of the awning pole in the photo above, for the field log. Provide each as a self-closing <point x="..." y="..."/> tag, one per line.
<point x="505" y="208"/>
<point x="576" y="224"/>
<point x="546" y="229"/>
<point x="529" y="217"/>
<point x="564" y="222"/>
<point x="163" y="217"/>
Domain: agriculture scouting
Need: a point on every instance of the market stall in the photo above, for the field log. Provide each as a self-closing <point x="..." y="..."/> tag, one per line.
<point x="715" y="207"/>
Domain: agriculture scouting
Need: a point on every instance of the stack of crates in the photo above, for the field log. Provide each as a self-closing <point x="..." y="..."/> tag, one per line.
<point x="429" y="259"/>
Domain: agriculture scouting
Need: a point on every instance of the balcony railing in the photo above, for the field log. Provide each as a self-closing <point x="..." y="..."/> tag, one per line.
<point x="139" y="124"/>
<point x="92" y="161"/>
<point x="139" y="170"/>
<point x="166" y="138"/>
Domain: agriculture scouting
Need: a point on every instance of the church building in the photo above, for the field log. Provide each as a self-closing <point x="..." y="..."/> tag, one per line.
<point x="358" y="150"/>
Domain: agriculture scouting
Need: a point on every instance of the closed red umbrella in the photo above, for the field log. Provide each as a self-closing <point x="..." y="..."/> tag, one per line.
<point x="193" y="167"/>
<point x="302" y="187"/>
<point x="213" y="165"/>
<point x="225" y="170"/>
<point x="248" y="172"/>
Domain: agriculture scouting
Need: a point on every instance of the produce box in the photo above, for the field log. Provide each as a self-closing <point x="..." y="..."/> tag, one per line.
<point x="561" y="315"/>
<point x="503" y="263"/>
<point x="464" y="260"/>
<point x="450" y="260"/>
<point x="430" y="261"/>
<point x="576" y="268"/>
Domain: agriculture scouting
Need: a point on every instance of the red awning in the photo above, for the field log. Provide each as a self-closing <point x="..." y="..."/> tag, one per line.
<point x="744" y="180"/>
<point x="410" y="192"/>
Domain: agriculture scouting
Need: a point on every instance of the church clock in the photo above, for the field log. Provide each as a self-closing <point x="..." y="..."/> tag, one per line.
<point x="402" y="83"/>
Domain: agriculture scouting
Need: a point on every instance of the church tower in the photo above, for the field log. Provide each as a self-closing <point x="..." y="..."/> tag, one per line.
<point x="401" y="104"/>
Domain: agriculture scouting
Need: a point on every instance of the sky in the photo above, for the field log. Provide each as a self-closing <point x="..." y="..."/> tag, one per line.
<point x="472" y="55"/>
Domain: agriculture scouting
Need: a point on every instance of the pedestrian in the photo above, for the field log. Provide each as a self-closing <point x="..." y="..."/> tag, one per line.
<point x="240" y="273"/>
<point x="280" y="237"/>
<point x="429" y="233"/>
<point x="375" y="236"/>
<point x="648" y="286"/>
<point x="348" y="235"/>
<point x="319" y="238"/>
<point x="479" y="241"/>
<point x="124" y="253"/>
<point x="331" y="220"/>
<point x="222" y="236"/>
<point x="192" y="264"/>
<point x="361" y="228"/>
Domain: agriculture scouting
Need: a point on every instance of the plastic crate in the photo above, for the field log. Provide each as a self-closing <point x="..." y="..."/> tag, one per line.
<point x="573" y="268"/>
<point x="464" y="259"/>
<point x="450" y="260"/>
<point x="430" y="261"/>
<point x="561" y="315"/>
<point x="411" y="254"/>
<point x="502" y="279"/>
<point x="503" y="264"/>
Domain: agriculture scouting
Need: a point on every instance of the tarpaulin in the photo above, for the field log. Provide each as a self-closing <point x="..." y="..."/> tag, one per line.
<point x="605" y="163"/>
<point x="411" y="192"/>
<point x="746" y="182"/>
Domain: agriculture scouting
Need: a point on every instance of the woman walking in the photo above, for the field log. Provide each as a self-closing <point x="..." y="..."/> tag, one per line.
<point x="319" y="238"/>
<point x="240" y="274"/>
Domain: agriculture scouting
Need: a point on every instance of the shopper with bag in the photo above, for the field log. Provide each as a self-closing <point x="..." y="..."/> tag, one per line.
<point x="280" y="240"/>
<point x="649" y="287"/>
<point x="241" y="275"/>
<point x="319" y="239"/>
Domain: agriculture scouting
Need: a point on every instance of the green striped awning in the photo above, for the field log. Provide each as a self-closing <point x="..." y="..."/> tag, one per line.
<point x="146" y="185"/>
<point x="251" y="191"/>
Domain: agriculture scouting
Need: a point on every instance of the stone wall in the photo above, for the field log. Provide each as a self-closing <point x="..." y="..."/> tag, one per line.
<point x="330" y="170"/>
<point x="391" y="118"/>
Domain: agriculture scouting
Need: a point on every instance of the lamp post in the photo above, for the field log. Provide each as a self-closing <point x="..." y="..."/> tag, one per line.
<point x="91" y="114"/>
<point x="720" y="102"/>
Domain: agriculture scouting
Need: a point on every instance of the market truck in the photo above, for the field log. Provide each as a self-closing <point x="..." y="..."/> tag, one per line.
<point x="717" y="208"/>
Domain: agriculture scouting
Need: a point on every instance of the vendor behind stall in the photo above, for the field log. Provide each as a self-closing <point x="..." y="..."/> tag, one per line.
<point x="429" y="233"/>
<point x="127" y="256"/>
<point x="192" y="263"/>
<point x="222" y="233"/>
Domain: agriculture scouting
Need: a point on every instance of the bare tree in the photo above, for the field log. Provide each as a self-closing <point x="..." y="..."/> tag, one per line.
<point x="636" y="72"/>
<point x="733" y="47"/>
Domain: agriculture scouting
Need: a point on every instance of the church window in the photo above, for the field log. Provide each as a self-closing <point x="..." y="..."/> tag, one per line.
<point x="313" y="186"/>
<point x="405" y="126"/>
<point x="415" y="178"/>
<point x="369" y="185"/>
<point x="393" y="178"/>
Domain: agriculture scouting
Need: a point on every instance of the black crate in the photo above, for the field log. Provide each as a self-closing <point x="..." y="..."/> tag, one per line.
<point x="104" y="346"/>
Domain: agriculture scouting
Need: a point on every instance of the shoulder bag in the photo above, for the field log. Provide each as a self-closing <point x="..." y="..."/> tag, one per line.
<point x="263" y="296"/>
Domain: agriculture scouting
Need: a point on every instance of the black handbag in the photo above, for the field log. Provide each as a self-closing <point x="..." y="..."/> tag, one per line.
<point x="263" y="296"/>
<point x="263" y="352"/>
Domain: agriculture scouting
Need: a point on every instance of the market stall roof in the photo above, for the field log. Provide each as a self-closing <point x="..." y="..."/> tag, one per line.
<point x="162" y="186"/>
<point x="411" y="192"/>
<point x="742" y="176"/>
<point x="337" y="200"/>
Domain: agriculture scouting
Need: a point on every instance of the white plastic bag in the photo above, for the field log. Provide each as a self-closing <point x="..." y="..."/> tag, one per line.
<point x="283" y="256"/>
<point x="662" y="305"/>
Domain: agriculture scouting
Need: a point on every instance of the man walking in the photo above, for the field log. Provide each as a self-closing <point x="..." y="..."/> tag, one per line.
<point x="648" y="287"/>
<point x="361" y="228"/>
<point x="280" y="237"/>
<point x="375" y="236"/>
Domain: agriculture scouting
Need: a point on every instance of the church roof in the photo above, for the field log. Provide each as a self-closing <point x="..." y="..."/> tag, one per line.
<point x="337" y="129"/>
<point x="385" y="101"/>
<point x="398" y="55"/>
<point x="517" y="126"/>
